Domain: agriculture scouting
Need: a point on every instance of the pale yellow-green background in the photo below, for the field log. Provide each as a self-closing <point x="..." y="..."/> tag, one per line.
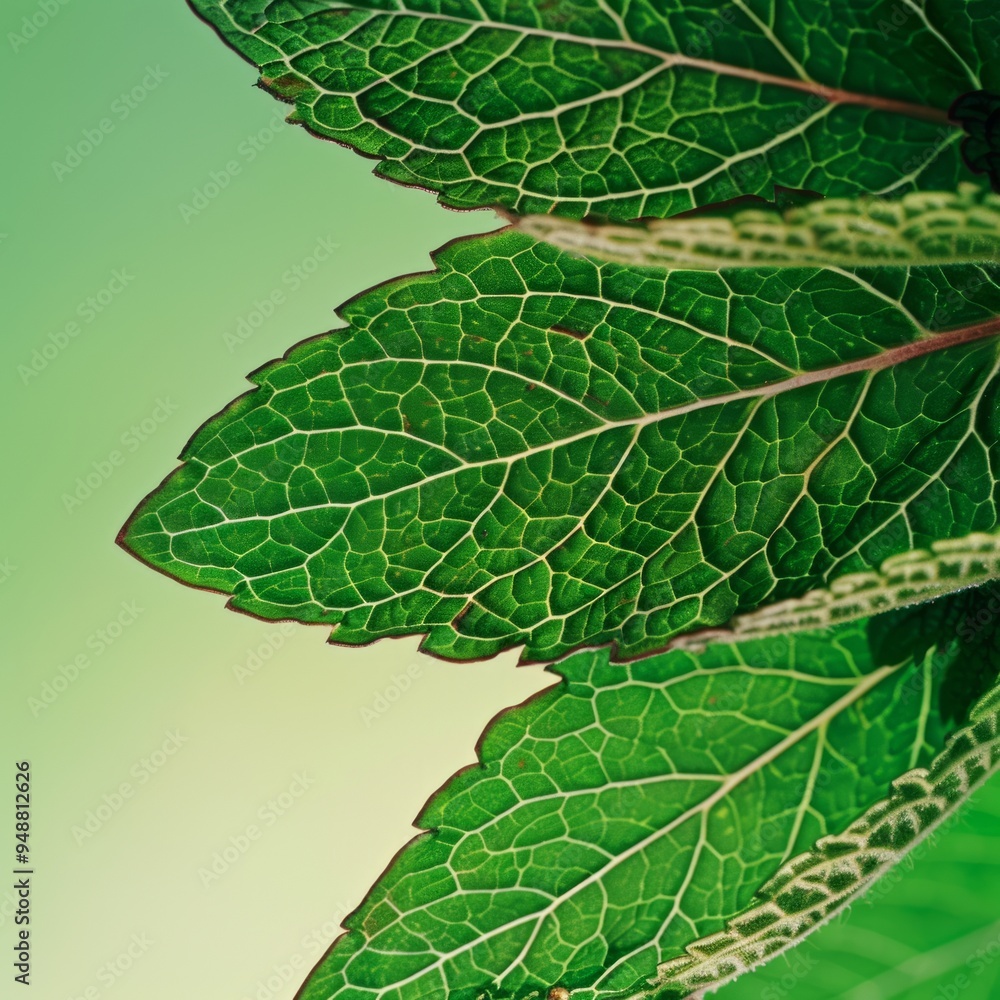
<point x="173" y="669"/>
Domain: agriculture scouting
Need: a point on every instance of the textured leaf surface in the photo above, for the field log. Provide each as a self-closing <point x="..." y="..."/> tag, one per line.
<point x="927" y="922"/>
<point x="529" y="447"/>
<point x="628" y="109"/>
<point x="927" y="227"/>
<point x="814" y="886"/>
<point x="904" y="581"/>
<point x="634" y="808"/>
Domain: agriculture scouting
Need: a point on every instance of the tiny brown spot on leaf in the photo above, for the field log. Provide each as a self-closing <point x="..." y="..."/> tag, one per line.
<point x="289" y="85"/>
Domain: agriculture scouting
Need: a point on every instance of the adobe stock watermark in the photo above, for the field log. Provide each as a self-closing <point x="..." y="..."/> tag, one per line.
<point x="974" y="966"/>
<point x="800" y="962"/>
<point x="7" y="570"/>
<point x="8" y="906"/>
<point x="983" y="616"/>
<point x="390" y="694"/>
<point x="960" y="293"/>
<point x="120" y="110"/>
<point x="142" y="772"/>
<point x="34" y="23"/>
<point x="95" y="646"/>
<point x="711" y="29"/>
<point x="86" y="312"/>
<point x="892" y="876"/>
<point x="772" y="834"/>
<point x="257" y="656"/>
<point x="894" y="20"/>
<point x="111" y="972"/>
<point x="292" y="280"/>
<point x="267" y="815"/>
<point x="748" y="172"/>
<point x="131" y="441"/>
<point x="219" y="180"/>
<point x="312" y="946"/>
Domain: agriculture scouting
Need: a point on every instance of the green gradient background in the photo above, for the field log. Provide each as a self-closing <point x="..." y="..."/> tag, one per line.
<point x="173" y="668"/>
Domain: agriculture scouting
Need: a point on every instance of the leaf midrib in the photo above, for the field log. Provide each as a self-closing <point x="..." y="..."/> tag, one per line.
<point x="831" y="95"/>
<point x="906" y="352"/>
<point x="886" y="854"/>
<point x="864" y="685"/>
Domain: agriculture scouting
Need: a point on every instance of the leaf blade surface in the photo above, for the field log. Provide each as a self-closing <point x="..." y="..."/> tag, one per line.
<point x="625" y="111"/>
<point x="530" y="447"/>
<point x="632" y="807"/>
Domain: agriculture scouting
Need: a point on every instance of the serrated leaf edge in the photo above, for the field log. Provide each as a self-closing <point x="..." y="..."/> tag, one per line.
<point x="921" y="228"/>
<point x="947" y="566"/>
<point x="812" y="888"/>
<point x="293" y="87"/>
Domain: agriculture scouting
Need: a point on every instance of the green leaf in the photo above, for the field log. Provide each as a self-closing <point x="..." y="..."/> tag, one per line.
<point x="808" y="890"/>
<point x="922" y="926"/>
<point x="626" y="110"/>
<point x="632" y="809"/>
<point x="528" y="447"/>
<point x="930" y="227"/>
<point x="690" y="444"/>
